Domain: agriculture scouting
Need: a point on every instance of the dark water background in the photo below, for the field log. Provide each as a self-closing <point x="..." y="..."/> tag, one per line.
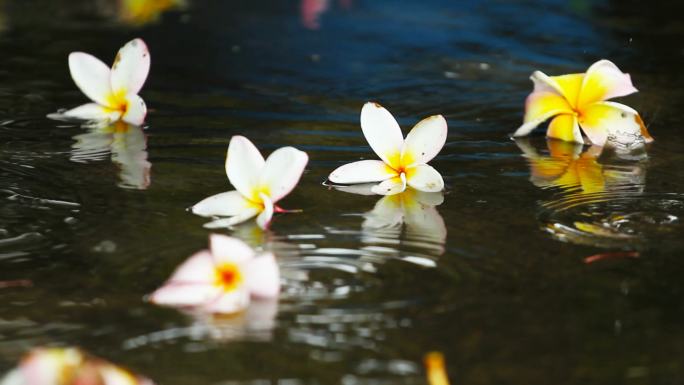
<point x="514" y="295"/>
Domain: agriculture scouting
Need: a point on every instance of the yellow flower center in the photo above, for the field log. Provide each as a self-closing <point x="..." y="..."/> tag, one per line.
<point x="228" y="276"/>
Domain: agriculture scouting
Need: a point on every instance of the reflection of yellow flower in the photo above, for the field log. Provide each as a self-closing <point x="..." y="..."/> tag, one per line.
<point x="145" y="11"/>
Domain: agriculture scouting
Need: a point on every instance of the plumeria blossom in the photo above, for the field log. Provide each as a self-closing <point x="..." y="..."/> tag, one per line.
<point x="69" y="366"/>
<point x="578" y="103"/>
<point x="221" y="280"/>
<point x="403" y="161"/>
<point x="139" y="12"/>
<point x="259" y="184"/>
<point x="114" y="91"/>
<point x="126" y="143"/>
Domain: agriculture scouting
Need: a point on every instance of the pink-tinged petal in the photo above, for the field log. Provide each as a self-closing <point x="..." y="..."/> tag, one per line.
<point x="227" y="249"/>
<point x="198" y="269"/>
<point x="363" y="171"/>
<point x="136" y="110"/>
<point x="264" y="219"/>
<point x="244" y="165"/>
<point x="91" y="76"/>
<point x="178" y="294"/>
<point x="424" y="178"/>
<point x="234" y="220"/>
<point x="130" y="68"/>
<point x="603" y="81"/>
<point x="228" y="302"/>
<point x="223" y="205"/>
<point x="565" y="127"/>
<point x="89" y="111"/>
<point x="282" y="171"/>
<point x="425" y="141"/>
<point x="262" y="276"/>
<point x="544" y="83"/>
<point x="603" y="119"/>
<point x="391" y="186"/>
<point x="382" y="133"/>
<point x="539" y="107"/>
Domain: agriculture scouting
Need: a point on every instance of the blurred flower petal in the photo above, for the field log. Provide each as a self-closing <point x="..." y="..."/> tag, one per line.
<point x="425" y="141"/>
<point x="382" y="133"/>
<point x="130" y="68"/>
<point x="91" y="76"/>
<point x="282" y="171"/>
<point x="224" y="204"/>
<point x="363" y="171"/>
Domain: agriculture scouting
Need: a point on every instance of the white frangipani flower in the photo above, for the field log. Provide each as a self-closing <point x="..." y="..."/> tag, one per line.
<point x="403" y="161"/>
<point x="114" y="91"/>
<point x="259" y="184"/>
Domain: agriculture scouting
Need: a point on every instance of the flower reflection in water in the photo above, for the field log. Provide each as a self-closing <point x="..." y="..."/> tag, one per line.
<point x="69" y="366"/>
<point x="599" y="194"/>
<point x="126" y="143"/>
<point x="408" y="219"/>
<point x="255" y="323"/>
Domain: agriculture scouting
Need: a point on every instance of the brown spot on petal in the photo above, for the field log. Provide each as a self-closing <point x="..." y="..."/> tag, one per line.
<point x="644" y="131"/>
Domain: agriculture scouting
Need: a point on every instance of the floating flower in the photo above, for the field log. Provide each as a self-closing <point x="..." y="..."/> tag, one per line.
<point x="403" y="161"/>
<point x="259" y="184"/>
<point x="69" y="366"/>
<point x="579" y="101"/>
<point x="114" y="92"/>
<point x="222" y="279"/>
<point x="127" y="144"/>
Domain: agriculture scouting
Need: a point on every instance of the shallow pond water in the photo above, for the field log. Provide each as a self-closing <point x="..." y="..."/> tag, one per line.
<point x="541" y="263"/>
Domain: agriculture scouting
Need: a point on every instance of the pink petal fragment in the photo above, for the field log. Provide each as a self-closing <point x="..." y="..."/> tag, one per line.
<point x="227" y="249"/>
<point x="184" y="295"/>
<point x="382" y="132"/>
<point x="425" y="140"/>
<point x="363" y="171"/>
<point x="282" y="171"/>
<point x="130" y="68"/>
<point x="244" y="165"/>
<point x="262" y="276"/>
<point x="91" y="76"/>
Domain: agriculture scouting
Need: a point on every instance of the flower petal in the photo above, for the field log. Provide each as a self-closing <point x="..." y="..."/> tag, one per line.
<point x="428" y="198"/>
<point x="264" y="219"/>
<point x="382" y="133"/>
<point x="603" y="119"/>
<point x="391" y="186"/>
<point x="130" y="68"/>
<point x="567" y="86"/>
<point x="135" y="110"/>
<point x="244" y="164"/>
<point x="424" y="178"/>
<point x="229" y="302"/>
<point x="91" y="76"/>
<point x="540" y="106"/>
<point x="282" y="171"/>
<point x="363" y="171"/>
<point x="565" y="127"/>
<point x="603" y="81"/>
<point x="199" y="268"/>
<point x="262" y="276"/>
<point x="89" y="111"/>
<point x="225" y="249"/>
<point x="425" y="141"/>
<point x="224" y="204"/>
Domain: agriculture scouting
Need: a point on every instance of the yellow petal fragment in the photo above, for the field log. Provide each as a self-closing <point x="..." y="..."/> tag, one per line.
<point x="570" y="86"/>
<point x="644" y="131"/>
<point x="603" y="81"/>
<point x="434" y="366"/>
<point x="543" y="105"/>
<point x="565" y="127"/>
